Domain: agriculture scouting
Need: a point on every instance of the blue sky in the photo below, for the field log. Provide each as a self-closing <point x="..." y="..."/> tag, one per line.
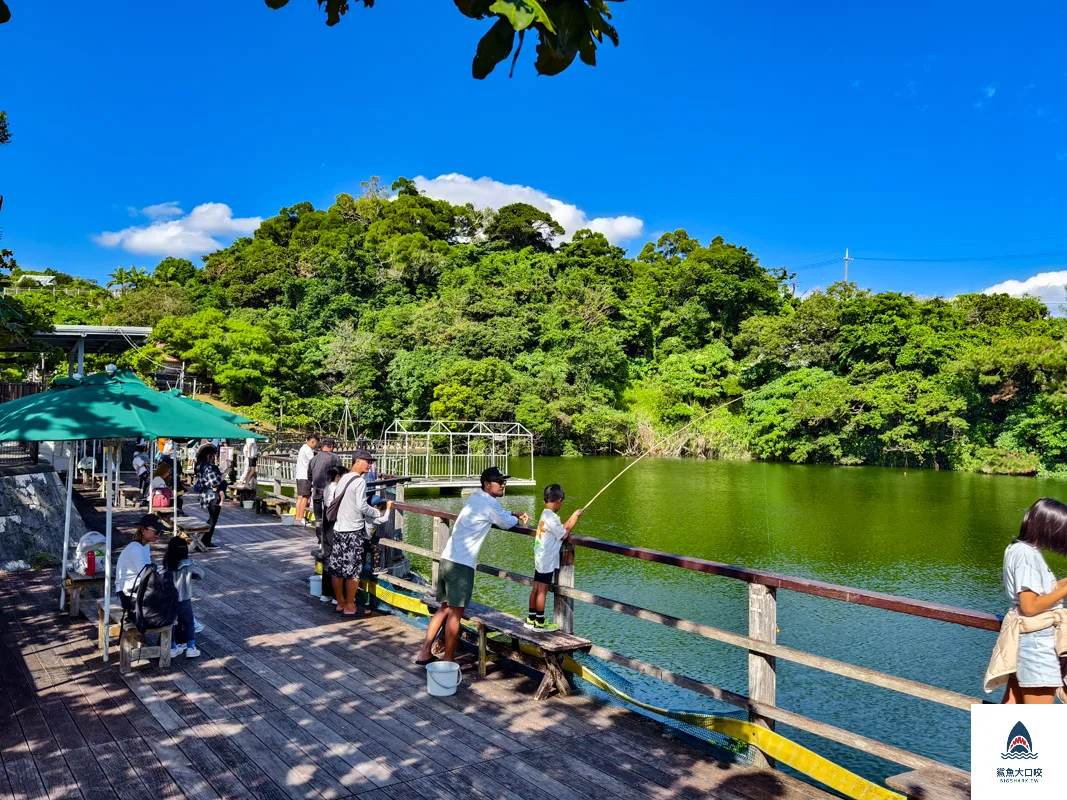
<point x="911" y="130"/>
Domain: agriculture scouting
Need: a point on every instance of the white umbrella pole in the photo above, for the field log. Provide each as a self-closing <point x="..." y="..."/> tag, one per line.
<point x="175" y="459"/>
<point x="72" y="451"/>
<point x="107" y="573"/>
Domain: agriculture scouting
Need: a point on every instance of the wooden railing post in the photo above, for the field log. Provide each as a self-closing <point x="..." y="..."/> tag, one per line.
<point x="440" y="536"/>
<point x="762" y="625"/>
<point x="564" y="606"/>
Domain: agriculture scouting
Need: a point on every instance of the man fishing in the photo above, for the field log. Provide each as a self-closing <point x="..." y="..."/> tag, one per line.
<point x="455" y="577"/>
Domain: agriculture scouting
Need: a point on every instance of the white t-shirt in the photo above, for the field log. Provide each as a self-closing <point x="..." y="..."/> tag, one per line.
<point x="548" y="541"/>
<point x="132" y="559"/>
<point x="168" y="447"/>
<point x="472" y="525"/>
<point x="250" y="448"/>
<point x="303" y="459"/>
<point x="139" y="465"/>
<point x="328" y="493"/>
<point x="1025" y="569"/>
<point x="159" y="483"/>
<point x="354" y="512"/>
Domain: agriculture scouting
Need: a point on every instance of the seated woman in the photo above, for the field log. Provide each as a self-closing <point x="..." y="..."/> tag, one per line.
<point x="162" y="487"/>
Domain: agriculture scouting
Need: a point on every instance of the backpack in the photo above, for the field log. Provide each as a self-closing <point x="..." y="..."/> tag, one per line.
<point x="156" y="604"/>
<point x="335" y="506"/>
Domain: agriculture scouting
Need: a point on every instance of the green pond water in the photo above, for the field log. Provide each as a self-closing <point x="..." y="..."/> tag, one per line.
<point x="936" y="536"/>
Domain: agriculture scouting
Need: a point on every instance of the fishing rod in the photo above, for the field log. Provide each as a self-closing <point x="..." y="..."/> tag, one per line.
<point x="666" y="438"/>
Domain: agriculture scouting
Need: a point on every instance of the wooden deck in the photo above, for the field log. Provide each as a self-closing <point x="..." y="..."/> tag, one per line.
<point x="290" y="700"/>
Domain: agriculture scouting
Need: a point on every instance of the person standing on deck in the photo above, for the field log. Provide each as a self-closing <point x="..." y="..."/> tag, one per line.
<point x="318" y="469"/>
<point x="1030" y="652"/>
<point x="353" y="512"/>
<point x="303" y="483"/>
<point x="455" y="577"/>
<point x="213" y="485"/>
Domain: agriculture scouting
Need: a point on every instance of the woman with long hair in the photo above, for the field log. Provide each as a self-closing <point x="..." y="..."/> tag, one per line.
<point x="1034" y="590"/>
<point x="212" y="485"/>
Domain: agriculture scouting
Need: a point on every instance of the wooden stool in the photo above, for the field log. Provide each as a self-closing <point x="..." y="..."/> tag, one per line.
<point x="132" y="645"/>
<point x="194" y="533"/>
<point x="75" y="583"/>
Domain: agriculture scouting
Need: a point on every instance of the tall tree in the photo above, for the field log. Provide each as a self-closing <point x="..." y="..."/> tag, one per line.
<point x="521" y="225"/>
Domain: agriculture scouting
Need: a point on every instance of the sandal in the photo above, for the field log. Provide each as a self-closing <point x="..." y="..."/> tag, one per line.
<point x="430" y="660"/>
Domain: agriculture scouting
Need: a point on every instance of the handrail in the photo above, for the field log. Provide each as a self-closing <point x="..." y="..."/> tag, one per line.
<point x="763" y="649"/>
<point x="830" y="591"/>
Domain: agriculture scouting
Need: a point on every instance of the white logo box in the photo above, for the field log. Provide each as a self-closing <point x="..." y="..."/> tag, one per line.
<point x="1018" y="751"/>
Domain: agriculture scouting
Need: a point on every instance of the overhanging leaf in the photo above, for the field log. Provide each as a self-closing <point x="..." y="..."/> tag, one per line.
<point x="522" y="13"/>
<point x="276" y="4"/>
<point x="5" y="12"/>
<point x="494" y="47"/>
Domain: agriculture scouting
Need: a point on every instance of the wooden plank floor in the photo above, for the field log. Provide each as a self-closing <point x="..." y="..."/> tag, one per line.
<point x="290" y="700"/>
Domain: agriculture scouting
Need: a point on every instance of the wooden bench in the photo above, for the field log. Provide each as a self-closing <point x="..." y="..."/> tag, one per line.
<point x="274" y="502"/>
<point x="933" y="783"/>
<point x="132" y="645"/>
<point x="75" y="583"/>
<point x="552" y="646"/>
<point x="193" y="531"/>
<point x="129" y="496"/>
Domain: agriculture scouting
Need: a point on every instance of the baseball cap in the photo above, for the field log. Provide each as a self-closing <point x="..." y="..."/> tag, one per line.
<point x="364" y="455"/>
<point x="493" y="475"/>
<point x="151" y="521"/>
<point x="329" y="442"/>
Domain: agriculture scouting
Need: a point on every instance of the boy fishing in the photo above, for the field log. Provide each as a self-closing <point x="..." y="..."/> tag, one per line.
<point x="551" y="533"/>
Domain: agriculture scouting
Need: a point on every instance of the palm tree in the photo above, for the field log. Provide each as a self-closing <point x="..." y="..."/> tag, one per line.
<point x="119" y="278"/>
<point x="138" y="277"/>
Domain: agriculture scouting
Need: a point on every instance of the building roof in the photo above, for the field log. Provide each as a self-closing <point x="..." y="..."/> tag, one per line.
<point x="99" y="339"/>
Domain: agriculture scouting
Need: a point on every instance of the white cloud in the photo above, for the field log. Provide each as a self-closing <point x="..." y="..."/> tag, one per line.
<point x="487" y="193"/>
<point x="855" y="84"/>
<point x="163" y="210"/>
<point x="1048" y="286"/>
<point x="207" y="227"/>
<point x="991" y="90"/>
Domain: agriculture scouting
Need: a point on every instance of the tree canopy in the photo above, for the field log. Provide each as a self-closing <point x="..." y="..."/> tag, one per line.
<point x="408" y="306"/>
<point x="564" y="29"/>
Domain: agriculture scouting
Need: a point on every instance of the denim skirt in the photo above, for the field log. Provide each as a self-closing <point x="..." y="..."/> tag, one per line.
<point x="1038" y="664"/>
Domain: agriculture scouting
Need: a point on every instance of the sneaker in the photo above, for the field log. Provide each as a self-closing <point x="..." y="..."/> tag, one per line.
<point x="545" y="627"/>
<point x="198" y="626"/>
<point x="325" y="599"/>
<point x="530" y="625"/>
<point x="178" y="649"/>
<point x="192" y="652"/>
<point x="211" y="546"/>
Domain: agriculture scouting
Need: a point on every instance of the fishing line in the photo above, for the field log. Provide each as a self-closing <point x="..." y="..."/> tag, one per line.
<point x="666" y="438"/>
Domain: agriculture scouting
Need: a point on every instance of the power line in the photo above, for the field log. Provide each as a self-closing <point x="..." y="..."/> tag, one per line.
<point x="965" y="259"/>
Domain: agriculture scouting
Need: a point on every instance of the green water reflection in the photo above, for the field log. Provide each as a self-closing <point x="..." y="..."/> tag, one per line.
<point x="935" y="536"/>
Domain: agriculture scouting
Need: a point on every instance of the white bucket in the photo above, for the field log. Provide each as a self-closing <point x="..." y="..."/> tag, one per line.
<point x="249" y="504"/>
<point x="315" y="585"/>
<point x="442" y="678"/>
<point x="289" y="519"/>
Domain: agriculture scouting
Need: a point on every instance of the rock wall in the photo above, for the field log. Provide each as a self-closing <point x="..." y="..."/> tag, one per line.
<point x="32" y="515"/>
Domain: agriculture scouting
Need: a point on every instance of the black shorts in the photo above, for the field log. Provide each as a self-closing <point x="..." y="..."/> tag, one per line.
<point x="547" y="577"/>
<point x="303" y="488"/>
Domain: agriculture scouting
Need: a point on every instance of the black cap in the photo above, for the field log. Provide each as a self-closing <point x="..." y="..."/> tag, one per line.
<point x="365" y="455"/>
<point x="153" y="522"/>
<point x="329" y="443"/>
<point x="493" y="475"/>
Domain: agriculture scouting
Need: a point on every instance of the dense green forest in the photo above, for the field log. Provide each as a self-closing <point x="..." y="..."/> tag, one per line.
<point x="412" y="307"/>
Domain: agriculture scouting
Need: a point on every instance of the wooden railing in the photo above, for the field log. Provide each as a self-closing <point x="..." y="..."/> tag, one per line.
<point x="763" y="650"/>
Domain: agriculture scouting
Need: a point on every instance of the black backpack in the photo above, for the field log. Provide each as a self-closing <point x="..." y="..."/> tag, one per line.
<point x="156" y="604"/>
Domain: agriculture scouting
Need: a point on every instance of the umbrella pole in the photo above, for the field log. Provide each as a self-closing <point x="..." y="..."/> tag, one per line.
<point x="71" y="453"/>
<point x="107" y="573"/>
<point x="175" y="460"/>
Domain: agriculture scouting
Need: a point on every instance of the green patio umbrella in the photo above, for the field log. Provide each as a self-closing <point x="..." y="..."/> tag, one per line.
<point x="221" y="413"/>
<point x="108" y="405"/>
<point x="114" y="405"/>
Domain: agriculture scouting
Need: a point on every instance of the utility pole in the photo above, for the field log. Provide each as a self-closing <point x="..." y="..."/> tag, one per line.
<point x="847" y="259"/>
